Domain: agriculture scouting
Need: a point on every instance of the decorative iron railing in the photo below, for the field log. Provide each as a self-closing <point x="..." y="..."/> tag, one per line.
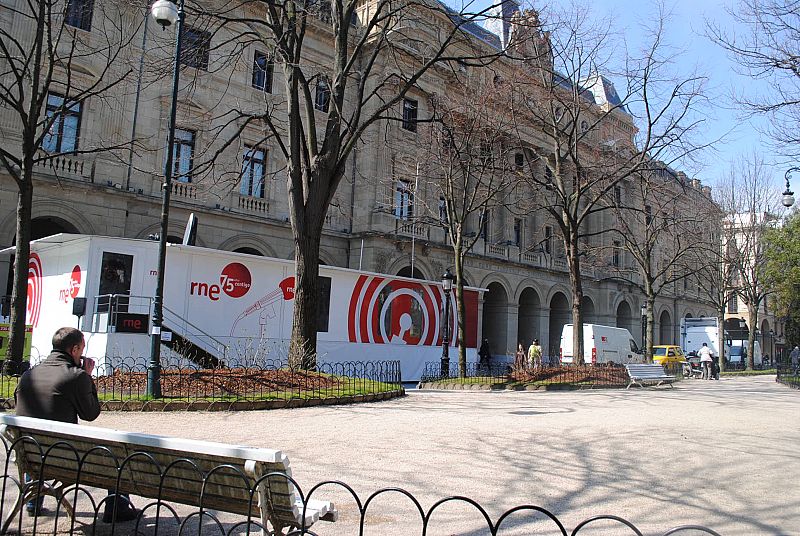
<point x="261" y="380"/>
<point x="788" y="375"/>
<point x="77" y="507"/>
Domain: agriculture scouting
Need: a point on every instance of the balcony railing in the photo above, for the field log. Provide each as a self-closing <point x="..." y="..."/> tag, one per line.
<point x="253" y="205"/>
<point x="186" y="191"/>
<point x="414" y="228"/>
<point x="75" y="167"/>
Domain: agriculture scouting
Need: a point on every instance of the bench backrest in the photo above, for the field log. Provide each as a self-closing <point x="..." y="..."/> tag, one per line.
<point x="200" y="473"/>
<point x="645" y="370"/>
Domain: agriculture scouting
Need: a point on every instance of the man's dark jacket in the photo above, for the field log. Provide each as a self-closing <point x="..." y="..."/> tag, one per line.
<point x="57" y="389"/>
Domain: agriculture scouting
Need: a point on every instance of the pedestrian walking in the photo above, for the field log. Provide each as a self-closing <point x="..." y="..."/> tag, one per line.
<point x="519" y="358"/>
<point x="484" y="355"/>
<point x="706" y="361"/>
<point x="794" y="357"/>
<point x="535" y="354"/>
<point x="61" y="389"/>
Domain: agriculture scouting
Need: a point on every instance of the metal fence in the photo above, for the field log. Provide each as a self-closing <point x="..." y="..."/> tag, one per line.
<point x="788" y="375"/>
<point x="80" y="508"/>
<point x="265" y="380"/>
<point x="547" y="376"/>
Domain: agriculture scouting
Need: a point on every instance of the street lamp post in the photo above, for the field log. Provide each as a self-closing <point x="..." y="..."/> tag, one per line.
<point x="644" y="329"/>
<point x="788" y="194"/>
<point x="165" y="13"/>
<point x="447" y="286"/>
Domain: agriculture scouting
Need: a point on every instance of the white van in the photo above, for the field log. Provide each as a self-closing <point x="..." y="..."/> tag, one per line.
<point x="737" y="352"/>
<point x="601" y="344"/>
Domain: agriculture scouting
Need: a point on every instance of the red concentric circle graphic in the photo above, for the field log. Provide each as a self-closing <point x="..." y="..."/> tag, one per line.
<point x="389" y="311"/>
<point x="34" y="304"/>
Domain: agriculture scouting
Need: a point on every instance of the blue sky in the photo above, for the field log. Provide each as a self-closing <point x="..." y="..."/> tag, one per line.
<point x="686" y="32"/>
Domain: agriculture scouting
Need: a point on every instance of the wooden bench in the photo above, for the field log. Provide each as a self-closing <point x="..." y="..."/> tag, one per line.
<point x="241" y="480"/>
<point x="647" y="373"/>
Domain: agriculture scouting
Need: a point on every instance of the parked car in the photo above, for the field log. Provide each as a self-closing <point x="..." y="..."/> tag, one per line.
<point x="666" y="354"/>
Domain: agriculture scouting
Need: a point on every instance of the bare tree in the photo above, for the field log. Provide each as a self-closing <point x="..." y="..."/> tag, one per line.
<point x="469" y="173"/>
<point x="584" y="139"/>
<point x="46" y="55"/>
<point x="750" y="208"/>
<point x="372" y="55"/>
<point x="768" y="49"/>
<point x="666" y="226"/>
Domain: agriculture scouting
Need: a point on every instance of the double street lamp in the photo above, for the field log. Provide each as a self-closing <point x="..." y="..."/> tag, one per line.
<point x="165" y="13"/>
<point x="447" y="286"/>
<point x="788" y="194"/>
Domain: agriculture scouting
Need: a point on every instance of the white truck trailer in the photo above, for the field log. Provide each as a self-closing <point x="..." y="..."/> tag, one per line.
<point x="696" y="331"/>
<point x="224" y="308"/>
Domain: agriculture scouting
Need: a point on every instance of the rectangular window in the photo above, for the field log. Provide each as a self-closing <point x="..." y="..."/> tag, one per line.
<point x="648" y="214"/>
<point x="253" y="165"/>
<point x="519" y="161"/>
<point x="183" y="155"/>
<point x="548" y="239"/>
<point x="733" y="303"/>
<point x="263" y="68"/>
<point x="548" y="175"/>
<point x="403" y="201"/>
<point x="486" y="153"/>
<point x="196" y="46"/>
<point x="486" y="215"/>
<point x="410" y="115"/>
<point x="443" y="219"/>
<point x="322" y="100"/>
<point x="62" y="137"/>
<point x="78" y="14"/>
<point x="517" y="231"/>
<point x="618" y="195"/>
<point x="615" y="259"/>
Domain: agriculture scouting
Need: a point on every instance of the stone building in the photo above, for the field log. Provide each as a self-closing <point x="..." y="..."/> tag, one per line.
<point x="241" y="200"/>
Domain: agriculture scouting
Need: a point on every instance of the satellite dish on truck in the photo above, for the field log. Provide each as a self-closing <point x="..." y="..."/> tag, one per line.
<point x="190" y="234"/>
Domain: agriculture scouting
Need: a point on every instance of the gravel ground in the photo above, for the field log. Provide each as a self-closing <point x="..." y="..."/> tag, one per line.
<point x="722" y="454"/>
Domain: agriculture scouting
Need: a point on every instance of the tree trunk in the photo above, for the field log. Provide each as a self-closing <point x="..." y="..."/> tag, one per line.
<point x="721" y="338"/>
<point x="573" y="261"/>
<point x="460" y="310"/>
<point x="19" y="294"/>
<point x="303" y="346"/>
<point x="751" y="335"/>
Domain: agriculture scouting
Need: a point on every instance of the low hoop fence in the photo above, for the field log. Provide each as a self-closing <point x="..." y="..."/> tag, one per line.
<point x="264" y="384"/>
<point x="788" y="375"/>
<point x="545" y="377"/>
<point x="71" y="506"/>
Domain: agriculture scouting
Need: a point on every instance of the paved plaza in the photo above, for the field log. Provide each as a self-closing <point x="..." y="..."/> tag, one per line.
<point x="722" y="454"/>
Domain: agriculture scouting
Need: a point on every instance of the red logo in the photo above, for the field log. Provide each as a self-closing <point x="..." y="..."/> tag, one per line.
<point x="34" y="305"/>
<point x="73" y="286"/>
<point x="75" y="282"/>
<point x="234" y="280"/>
<point x="287" y="287"/>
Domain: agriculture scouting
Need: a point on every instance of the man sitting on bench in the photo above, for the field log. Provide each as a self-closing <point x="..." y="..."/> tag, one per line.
<point x="61" y="388"/>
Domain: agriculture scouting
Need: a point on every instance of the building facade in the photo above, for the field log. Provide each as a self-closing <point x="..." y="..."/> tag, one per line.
<point x="374" y="222"/>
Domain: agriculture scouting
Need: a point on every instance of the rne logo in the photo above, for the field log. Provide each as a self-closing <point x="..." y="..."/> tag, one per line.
<point x="73" y="286"/>
<point x="235" y="281"/>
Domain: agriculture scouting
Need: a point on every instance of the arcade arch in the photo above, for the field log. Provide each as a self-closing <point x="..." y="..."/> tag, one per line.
<point x="666" y="331"/>
<point x="560" y="314"/>
<point x="495" y="318"/>
<point x="528" y="316"/>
